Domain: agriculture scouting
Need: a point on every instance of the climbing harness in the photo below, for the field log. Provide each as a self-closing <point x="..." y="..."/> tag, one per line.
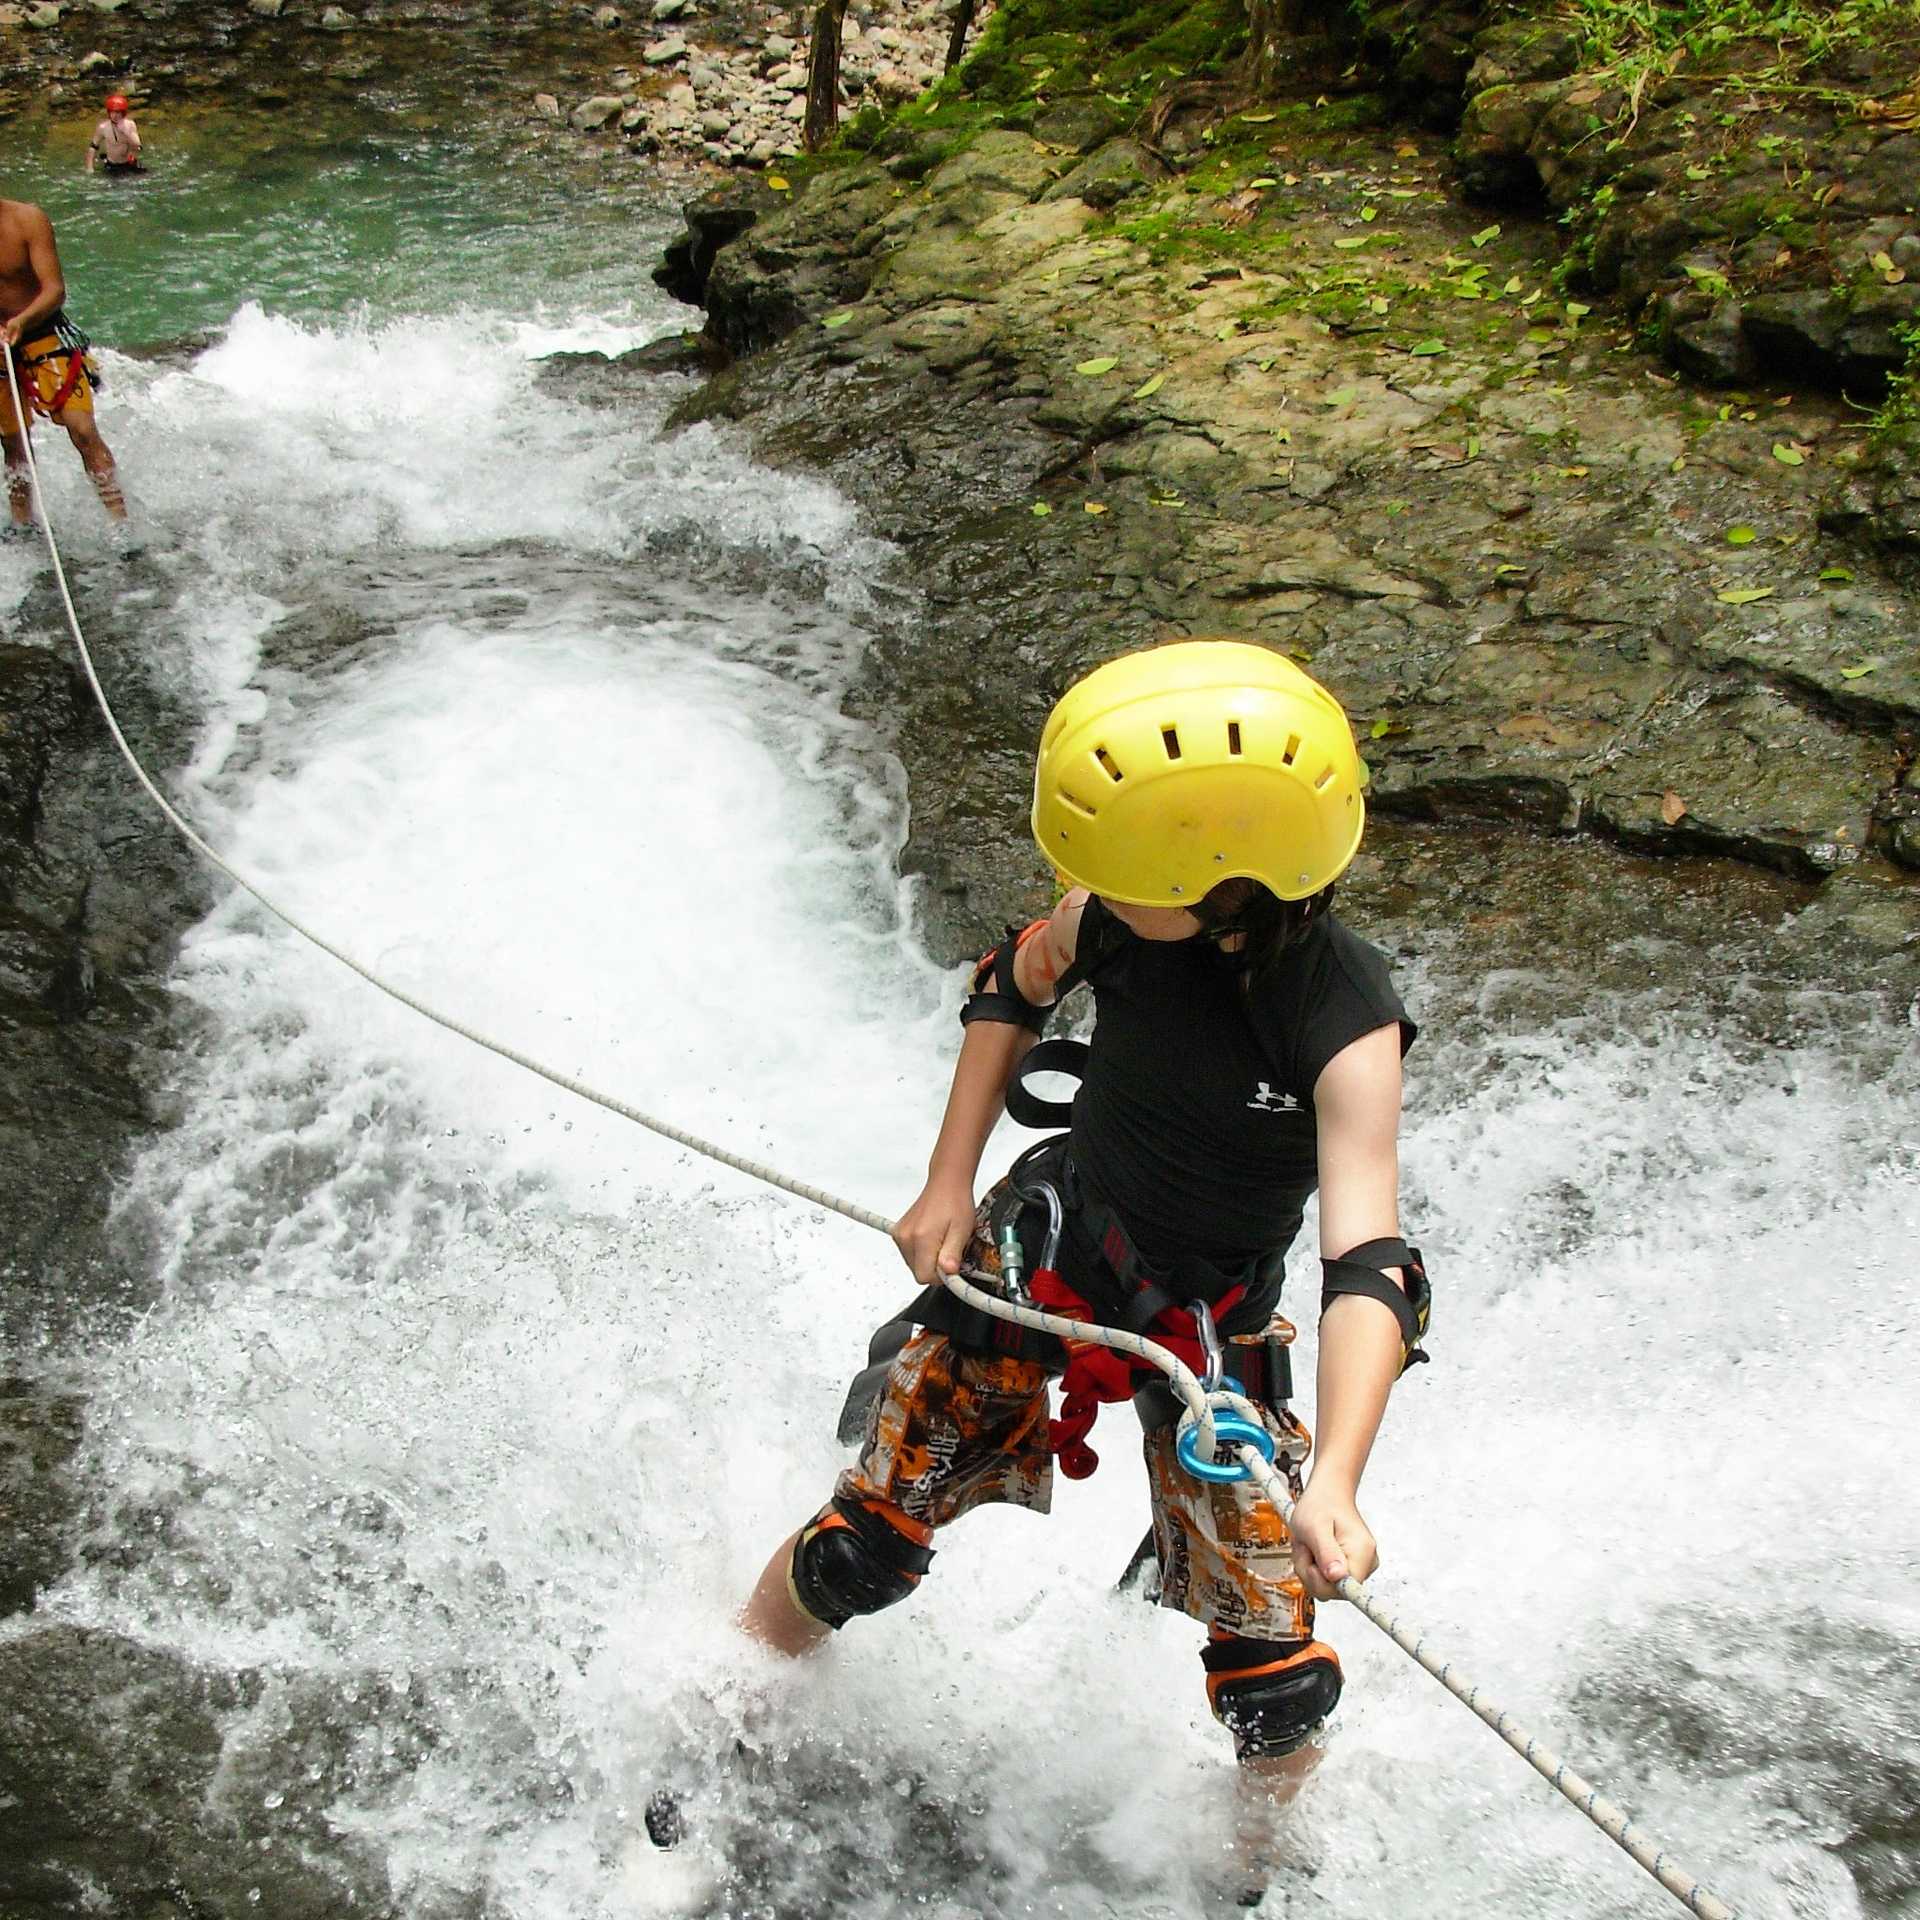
<point x="1214" y="1416"/>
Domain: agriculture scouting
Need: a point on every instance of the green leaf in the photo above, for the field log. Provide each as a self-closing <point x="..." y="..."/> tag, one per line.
<point x="1741" y="536"/>
<point x="1744" y="596"/>
<point x="1576" y="312"/>
<point x="1699" y="173"/>
<point x="1353" y="240"/>
<point x="1258" y="119"/>
<point x="1149" y="387"/>
<point x="1426" y="349"/>
<point x="839" y="319"/>
<point x="1041" y="509"/>
<point x="1340" y="396"/>
<point x="1092" y="506"/>
<point x="1485" y="234"/>
<point x="1788" y="456"/>
<point x="1369" y="213"/>
<point x="777" y="183"/>
<point x="1265" y="180"/>
<point x="1104" y="364"/>
<point x="1842" y="574"/>
<point x="1860" y="672"/>
<point x="1380" y="729"/>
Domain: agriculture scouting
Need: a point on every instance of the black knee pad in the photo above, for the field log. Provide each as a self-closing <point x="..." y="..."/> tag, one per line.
<point x="851" y="1559"/>
<point x="1271" y="1694"/>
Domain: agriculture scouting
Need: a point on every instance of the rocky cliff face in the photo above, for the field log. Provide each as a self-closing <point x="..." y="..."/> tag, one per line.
<point x="1283" y="383"/>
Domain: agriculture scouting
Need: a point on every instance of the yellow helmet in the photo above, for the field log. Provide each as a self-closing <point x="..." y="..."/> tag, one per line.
<point x="1165" y="772"/>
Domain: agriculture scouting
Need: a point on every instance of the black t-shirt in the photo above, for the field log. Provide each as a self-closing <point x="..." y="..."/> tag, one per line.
<point x="1195" y="1115"/>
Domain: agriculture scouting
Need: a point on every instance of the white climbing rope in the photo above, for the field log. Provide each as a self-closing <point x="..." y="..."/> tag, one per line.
<point x="1200" y="1404"/>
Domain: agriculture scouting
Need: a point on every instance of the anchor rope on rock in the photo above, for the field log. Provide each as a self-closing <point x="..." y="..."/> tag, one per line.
<point x="1201" y="1405"/>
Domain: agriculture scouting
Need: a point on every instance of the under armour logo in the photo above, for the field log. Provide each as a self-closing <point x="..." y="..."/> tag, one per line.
<point x="1267" y="1101"/>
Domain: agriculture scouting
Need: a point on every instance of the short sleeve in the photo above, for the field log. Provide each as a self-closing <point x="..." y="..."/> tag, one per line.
<point x="1337" y="989"/>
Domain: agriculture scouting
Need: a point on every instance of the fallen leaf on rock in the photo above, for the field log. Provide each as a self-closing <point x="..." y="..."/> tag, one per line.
<point x="1353" y="240"/>
<point x="1340" y="396"/>
<point x="1265" y="180"/>
<point x="1426" y="349"/>
<point x="1092" y="506"/>
<point x="1741" y="536"/>
<point x="1855" y="673"/>
<point x="1672" y="808"/>
<point x="1842" y="574"/>
<point x="839" y="319"/>
<point x="1105" y="363"/>
<point x="1258" y="119"/>
<point x="1149" y="387"/>
<point x="1744" y="596"/>
<point x="1575" y="312"/>
<point x="1041" y="509"/>
<point x="1485" y="234"/>
<point x="1789" y="456"/>
<point x="1572" y="473"/>
<point x="778" y="182"/>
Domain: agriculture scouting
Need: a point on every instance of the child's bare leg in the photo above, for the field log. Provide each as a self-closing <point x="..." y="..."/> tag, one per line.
<point x="771" y="1615"/>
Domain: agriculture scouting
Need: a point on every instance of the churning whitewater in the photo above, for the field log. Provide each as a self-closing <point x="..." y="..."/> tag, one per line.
<point x="467" y="1412"/>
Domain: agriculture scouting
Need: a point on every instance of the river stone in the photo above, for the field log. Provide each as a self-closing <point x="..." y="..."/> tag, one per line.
<point x="336" y="20"/>
<point x="266" y="9"/>
<point x="1523" y="50"/>
<point x="12" y="16"/>
<point x="606" y="16"/>
<point x="1118" y="170"/>
<point x="47" y="14"/>
<point x="1081" y="124"/>
<point x="93" y="62"/>
<point x="545" y="106"/>
<point x="998" y="162"/>
<point x="663" y="51"/>
<point x="593" y="114"/>
<point x="1759" y="776"/>
<point x="665" y="10"/>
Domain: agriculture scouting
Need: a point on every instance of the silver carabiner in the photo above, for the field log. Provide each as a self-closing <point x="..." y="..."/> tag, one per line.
<point x="1209" y="1345"/>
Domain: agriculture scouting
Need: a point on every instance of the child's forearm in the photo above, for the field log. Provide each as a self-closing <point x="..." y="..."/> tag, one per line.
<point x="989" y="1054"/>
<point x="1359" y="1362"/>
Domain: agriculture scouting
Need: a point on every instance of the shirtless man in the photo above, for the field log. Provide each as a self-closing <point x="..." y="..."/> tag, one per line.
<point x="49" y="360"/>
<point x="116" y="140"/>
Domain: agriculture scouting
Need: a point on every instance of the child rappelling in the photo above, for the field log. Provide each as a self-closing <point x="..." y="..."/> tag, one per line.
<point x="1201" y="800"/>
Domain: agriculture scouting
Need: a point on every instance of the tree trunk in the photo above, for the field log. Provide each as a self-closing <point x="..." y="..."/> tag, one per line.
<point x="962" y="26"/>
<point x="823" y="76"/>
<point x="1272" y="23"/>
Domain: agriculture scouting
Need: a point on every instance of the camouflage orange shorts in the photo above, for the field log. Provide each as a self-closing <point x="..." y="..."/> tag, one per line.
<point x="956" y="1430"/>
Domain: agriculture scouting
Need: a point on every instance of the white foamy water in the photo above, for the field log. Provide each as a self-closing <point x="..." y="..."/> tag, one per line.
<point x="468" y="1413"/>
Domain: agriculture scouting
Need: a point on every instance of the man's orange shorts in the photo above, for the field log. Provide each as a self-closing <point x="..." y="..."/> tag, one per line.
<point x="47" y="367"/>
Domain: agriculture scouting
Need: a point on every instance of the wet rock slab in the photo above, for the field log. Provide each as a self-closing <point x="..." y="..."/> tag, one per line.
<point x="1552" y="587"/>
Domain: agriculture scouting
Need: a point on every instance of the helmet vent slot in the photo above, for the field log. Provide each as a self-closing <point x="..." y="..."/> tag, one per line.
<point x="1108" y="765"/>
<point x="1079" y="806"/>
<point x="1233" y="737"/>
<point x="1325" y="781"/>
<point x="1171" y="738"/>
<point x="1293" y="750"/>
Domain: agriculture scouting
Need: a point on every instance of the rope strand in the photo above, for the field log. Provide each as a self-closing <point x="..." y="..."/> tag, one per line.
<point x="1609" y="1818"/>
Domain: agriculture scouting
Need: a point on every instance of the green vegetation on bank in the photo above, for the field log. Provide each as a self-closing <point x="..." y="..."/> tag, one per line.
<point x="1636" y="35"/>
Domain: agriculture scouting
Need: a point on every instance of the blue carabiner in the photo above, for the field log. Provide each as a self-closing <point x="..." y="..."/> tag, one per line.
<point x="1230" y="1430"/>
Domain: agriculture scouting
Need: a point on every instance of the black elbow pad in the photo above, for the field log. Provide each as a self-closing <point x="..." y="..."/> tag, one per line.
<point x="1366" y="1271"/>
<point x="996" y="996"/>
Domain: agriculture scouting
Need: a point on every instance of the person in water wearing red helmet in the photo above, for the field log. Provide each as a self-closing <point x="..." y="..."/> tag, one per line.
<point x="1198" y="800"/>
<point x="116" y="140"/>
<point x="55" y="371"/>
